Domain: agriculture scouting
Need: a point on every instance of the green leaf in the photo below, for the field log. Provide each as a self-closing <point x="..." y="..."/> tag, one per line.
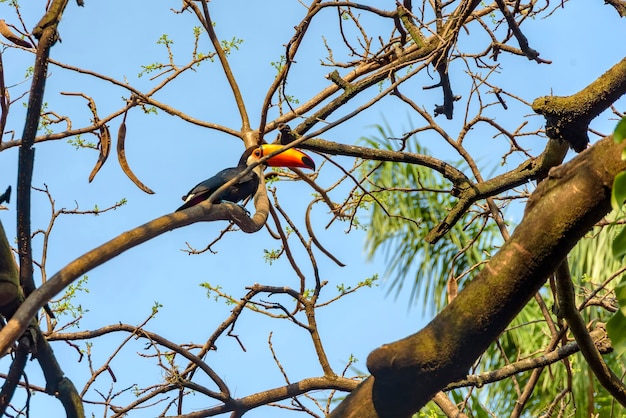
<point x="619" y="244"/>
<point x="620" y="131"/>
<point x="618" y="193"/>
<point x="615" y="328"/>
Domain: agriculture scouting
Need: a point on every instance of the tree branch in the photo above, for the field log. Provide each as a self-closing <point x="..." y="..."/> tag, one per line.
<point x="10" y="291"/>
<point x="619" y="5"/>
<point x="15" y="372"/>
<point x="447" y="406"/>
<point x="57" y="384"/>
<point x="277" y="394"/>
<point x="125" y="241"/>
<point x="530" y="53"/>
<point x="467" y="191"/>
<point x="568" y="118"/>
<point x="224" y="394"/>
<point x="529" y="170"/>
<point x="46" y="31"/>
<point x="408" y="373"/>
<point x="290" y="54"/>
<point x="451" y="173"/>
<point x="208" y="26"/>
<point x="598" y="336"/>
<point x="567" y="309"/>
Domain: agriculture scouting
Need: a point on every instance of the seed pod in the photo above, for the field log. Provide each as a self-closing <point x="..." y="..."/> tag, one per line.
<point x="121" y="156"/>
<point x="7" y="33"/>
<point x="105" y="147"/>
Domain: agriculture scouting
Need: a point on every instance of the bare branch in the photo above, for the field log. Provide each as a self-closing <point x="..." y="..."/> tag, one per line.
<point x="567" y="309"/>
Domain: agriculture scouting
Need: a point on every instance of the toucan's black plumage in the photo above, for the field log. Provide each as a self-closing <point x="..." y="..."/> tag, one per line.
<point x="6" y="196"/>
<point x="248" y="184"/>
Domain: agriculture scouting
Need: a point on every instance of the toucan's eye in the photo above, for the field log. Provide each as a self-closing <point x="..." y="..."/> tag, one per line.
<point x="257" y="153"/>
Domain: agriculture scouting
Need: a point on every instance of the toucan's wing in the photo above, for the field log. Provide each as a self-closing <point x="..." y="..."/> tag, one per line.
<point x="238" y="191"/>
<point x="205" y="189"/>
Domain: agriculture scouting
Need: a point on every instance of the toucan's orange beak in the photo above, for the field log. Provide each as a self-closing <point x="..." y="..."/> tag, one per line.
<point x="288" y="158"/>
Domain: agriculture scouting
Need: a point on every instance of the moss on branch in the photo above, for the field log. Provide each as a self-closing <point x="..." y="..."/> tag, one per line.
<point x="408" y="373"/>
<point x="568" y="118"/>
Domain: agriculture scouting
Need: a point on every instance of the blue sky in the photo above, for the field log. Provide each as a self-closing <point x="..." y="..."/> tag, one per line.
<point x="170" y="156"/>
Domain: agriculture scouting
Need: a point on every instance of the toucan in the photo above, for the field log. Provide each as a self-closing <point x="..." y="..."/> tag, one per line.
<point x="248" y="184"/>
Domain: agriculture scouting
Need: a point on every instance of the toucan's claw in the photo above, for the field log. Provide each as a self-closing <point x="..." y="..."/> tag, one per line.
<point x="245" y="210"/>
<point x="235" y="203"/>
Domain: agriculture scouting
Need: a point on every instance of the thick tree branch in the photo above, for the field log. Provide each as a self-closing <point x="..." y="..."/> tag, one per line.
<point x="568" y="118"/>
<point x="10" y="291"/>
<point x="15" y="372"/>
<point x="57" y="384"/>
<point x="46" y="32"/>
<point x="125" y="241"/>
<point x="408" y="373"/>
<point x="10" y="298"/>
<point x="447" y="406"/>
<point x="50" y="20"/>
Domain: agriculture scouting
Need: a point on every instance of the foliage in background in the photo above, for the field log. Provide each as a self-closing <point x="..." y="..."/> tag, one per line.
<point x="378" y="59"/>
<point x="399" y="221"/>
<point x="594" y="269"/>
<point x="592" y="263"/>
<point x="617" y="324"/>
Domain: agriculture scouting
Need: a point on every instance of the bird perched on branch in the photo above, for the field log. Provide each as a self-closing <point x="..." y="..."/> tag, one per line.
<point x="247" y="185"/>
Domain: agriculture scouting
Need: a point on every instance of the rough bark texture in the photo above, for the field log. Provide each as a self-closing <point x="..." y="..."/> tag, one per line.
<point x="408" y="373"/>
<point x="10" y="291"/>
<point x="567" y="118"/>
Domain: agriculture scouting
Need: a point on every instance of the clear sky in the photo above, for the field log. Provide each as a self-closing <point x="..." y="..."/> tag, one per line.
<point x="169" y="155"/>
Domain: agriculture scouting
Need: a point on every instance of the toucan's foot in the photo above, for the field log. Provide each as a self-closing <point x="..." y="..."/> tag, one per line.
<point x="235" y="203"/>
<point x="244" y="209"/>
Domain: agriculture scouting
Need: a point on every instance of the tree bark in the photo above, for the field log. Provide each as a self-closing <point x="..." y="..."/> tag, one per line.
<point x="408" y="373"/>
<point x="10" y="292"/>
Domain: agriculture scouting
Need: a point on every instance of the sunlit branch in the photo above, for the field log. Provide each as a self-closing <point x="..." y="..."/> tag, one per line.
<point x="125" y="241"/>
<point x="551" y="357"/>
<point x="208" y="26"/>
<point x="277" y="394"/>
<point x="311" y="233"/>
